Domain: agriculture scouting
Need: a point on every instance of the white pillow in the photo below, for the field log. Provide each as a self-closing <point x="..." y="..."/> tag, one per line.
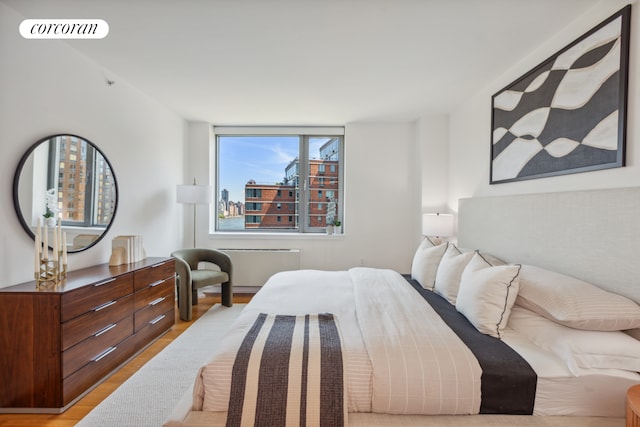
<point x="494" y="261"/>
<point x="580" y="349"/>
<point x="491" y="259"/>
<point x="575" y="303"/>
<point x="450" y="271"/>
<point x="425" y="263"/>
<point x="487" y="294"/>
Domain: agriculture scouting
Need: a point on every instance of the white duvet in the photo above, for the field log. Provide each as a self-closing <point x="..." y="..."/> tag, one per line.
<point x="390" y="334"/>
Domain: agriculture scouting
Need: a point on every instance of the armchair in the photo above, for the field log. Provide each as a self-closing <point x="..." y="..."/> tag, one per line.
<point x="191" y="277"/>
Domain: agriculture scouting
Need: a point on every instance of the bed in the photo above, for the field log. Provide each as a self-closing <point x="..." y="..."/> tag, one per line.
<point x="568" y="363"/>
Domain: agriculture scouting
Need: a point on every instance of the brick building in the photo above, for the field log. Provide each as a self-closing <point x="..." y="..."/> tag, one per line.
<point x="270" y="206"/>
<point x="275" y="205"/>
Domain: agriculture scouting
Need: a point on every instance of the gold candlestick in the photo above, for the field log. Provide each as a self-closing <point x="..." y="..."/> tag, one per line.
<point x="51" y="272"/>
<point x="48" y="274"/>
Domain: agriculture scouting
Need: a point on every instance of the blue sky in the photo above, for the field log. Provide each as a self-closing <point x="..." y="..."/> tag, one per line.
<point x="261" y="158"/>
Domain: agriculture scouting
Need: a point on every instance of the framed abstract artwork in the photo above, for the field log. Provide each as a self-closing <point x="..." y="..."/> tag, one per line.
<point x="568" y="114"/>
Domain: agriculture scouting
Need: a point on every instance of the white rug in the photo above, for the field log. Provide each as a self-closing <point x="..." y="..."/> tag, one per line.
<point x="148" y="397"/>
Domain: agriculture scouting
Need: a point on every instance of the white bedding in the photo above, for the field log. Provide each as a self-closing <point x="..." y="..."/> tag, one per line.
<point x="595" y="392"/>
<point x="420" y="365"/>
<point x="598" y="392"/>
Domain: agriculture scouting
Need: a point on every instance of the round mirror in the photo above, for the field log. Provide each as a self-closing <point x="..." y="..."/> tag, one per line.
<point x="65" y="180"/>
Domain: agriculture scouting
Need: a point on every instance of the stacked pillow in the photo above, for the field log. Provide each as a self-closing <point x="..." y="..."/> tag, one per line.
<point x="487" y="294"/>
<point x="485" y="290"/>
<point x="579" y="322"/>
<point x="481" y="287"/>
<point x="575" y="303"/>
<point x="425" y="263"/>
<point x="450" y="271"/>
<point x="580" y="349"/>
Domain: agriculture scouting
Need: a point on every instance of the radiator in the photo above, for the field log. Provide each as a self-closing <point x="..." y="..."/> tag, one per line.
<point x="252" y="267"/>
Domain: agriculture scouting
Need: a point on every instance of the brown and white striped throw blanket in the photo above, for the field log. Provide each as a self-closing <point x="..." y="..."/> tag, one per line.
<point x="289" y="371"/>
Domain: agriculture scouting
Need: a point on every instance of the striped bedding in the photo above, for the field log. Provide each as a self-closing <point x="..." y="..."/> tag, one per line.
<point x="419" y="365"/>
<point x="299" y="354"/>
<point x="399" y="356"/>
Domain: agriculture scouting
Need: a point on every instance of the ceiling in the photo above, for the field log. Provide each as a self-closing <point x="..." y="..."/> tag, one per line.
<point x="297" y="62"/>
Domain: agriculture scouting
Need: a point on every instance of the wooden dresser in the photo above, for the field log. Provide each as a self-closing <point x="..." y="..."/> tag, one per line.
<point x="56" y="343"/>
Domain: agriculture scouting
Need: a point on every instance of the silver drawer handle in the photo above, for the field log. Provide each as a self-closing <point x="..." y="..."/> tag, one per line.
<point x="154" y="284"/>
<point x="103" y="306"/>
<point x="103" y="283"/>
<point x="157" y="301"/>
<point x="105" y="329"/>
<point x="157" y="319"/>
<point x="104" y="354"/>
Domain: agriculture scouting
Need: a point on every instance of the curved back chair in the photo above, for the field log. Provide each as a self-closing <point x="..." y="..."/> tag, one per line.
<point x="191" y="277"/>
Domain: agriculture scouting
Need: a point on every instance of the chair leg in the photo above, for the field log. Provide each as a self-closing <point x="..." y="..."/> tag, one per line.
<point x="184" y="302"/>
<point x="227" y="294"/>
<point x="194" y="297"/>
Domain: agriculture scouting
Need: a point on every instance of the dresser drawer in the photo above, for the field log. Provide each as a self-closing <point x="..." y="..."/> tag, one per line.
<point x="151" y="312"/>
<point x="158" y="289"/>
<point x="87" y="298"/>
<point x="149" y="275"/>
<point x="90" y="323"/>
<point x="86" y="351"/>
<point x="101" y="365"/>
<point x="157" y="327"/>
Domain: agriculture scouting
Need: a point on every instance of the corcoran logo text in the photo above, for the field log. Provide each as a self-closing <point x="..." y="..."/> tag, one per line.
<point x="64" y="29"/>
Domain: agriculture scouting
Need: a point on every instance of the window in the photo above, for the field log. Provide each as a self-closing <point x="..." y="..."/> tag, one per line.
<point x="267" y="172"/>
<point x="91" y="202"/>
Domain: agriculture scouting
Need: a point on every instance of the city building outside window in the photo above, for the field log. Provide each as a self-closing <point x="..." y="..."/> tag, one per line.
<point x="278" y="179"/>
<point x="94" y="200"/>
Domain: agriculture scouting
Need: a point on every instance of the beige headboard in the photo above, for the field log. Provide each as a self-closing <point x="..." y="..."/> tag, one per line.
<point x="593" y="235"/>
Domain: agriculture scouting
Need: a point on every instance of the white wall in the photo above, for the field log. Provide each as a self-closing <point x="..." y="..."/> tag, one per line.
<point x="46" y="87"/>
<point x="470" y="124"/>
<point x="382" y="202"/>
<point x="432" y="136"/>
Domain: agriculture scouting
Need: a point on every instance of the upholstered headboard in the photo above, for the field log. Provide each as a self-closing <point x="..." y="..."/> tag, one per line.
<point x="593" y="235"/>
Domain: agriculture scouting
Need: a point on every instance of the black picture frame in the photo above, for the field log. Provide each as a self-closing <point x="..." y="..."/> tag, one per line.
<point x="568" y="114"/>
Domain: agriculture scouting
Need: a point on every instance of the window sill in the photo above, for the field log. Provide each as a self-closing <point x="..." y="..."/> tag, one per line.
<point x="248" y="235"/>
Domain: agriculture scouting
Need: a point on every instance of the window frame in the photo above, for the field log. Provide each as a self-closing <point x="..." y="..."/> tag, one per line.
<point x="305" y="134"/>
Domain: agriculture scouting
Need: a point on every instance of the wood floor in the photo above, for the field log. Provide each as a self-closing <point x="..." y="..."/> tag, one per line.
<point x="74" y="414"/>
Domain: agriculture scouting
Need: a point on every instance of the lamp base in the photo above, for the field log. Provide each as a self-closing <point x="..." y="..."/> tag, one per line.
<point x="436" y="240"/>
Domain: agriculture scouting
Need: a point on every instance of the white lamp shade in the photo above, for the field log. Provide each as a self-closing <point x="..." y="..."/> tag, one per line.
<point x="437" y="224"/>
<point x="194" y="194"/>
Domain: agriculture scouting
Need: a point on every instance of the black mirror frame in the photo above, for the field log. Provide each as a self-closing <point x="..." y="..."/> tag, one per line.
<point x="16" y="182"/>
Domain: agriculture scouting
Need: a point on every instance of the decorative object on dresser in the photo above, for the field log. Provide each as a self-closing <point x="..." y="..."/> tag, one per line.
<point x="50" y="271"/>
<point x="78" y="184"/>
<point x="58" y="343"/>
<point x="126" y="249"/>
<point x="568" y="114"/>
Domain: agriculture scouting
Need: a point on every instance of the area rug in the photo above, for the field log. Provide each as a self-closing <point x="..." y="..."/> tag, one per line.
<point x="148" y="396"/>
